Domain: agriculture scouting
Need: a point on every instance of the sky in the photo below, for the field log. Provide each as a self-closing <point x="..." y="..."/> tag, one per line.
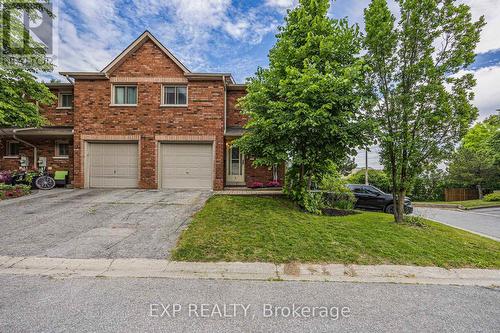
<point x="229" y="36"/>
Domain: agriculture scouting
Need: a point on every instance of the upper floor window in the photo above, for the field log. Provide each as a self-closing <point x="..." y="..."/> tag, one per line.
<point x="65" y="100"/>
<point x="12" y="148"/>
<point x="174" y="96"/>
<point x="62" y="149"/>
<point x="125" y="95"/>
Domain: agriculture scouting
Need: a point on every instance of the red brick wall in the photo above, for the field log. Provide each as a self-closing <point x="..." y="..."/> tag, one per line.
<point x="203" y="116"/>
<point x="261" y="174"/>
<point x="55" y="116"/>
<point x="46" y="148"/>
<point x="148" y="60"/>
<point x="234" y="117"/>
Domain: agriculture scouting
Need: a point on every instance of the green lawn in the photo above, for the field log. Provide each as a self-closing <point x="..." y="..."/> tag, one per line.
<point x="234" y="228"/>
<point x="468" y="204"/>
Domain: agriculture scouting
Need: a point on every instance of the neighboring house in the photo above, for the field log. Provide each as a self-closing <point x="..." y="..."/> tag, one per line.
<point x="144" y="121"/>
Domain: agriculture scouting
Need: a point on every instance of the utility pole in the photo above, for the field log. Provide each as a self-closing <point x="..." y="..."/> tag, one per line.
<point x="366" y="166"/>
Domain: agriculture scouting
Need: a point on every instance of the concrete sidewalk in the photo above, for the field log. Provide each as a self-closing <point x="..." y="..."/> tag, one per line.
<point x="150" y="268"/>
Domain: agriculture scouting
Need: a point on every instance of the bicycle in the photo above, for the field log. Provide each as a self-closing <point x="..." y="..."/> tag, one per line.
<point x="45" y="181"/>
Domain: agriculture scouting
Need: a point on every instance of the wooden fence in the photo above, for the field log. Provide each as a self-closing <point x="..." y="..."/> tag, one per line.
<point x="460" y="194"/>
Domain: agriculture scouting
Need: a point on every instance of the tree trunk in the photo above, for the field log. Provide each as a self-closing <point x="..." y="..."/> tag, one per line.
<point x="301" y="174"/>
<point x="480" y="191"/>
<point x="399" y="208"/>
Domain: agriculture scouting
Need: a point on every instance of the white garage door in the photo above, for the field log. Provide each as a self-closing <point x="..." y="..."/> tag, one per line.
<point x="113" y="165"/>
<point x="186" y="165"/>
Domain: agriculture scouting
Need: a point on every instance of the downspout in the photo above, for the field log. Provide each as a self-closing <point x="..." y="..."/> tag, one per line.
<point x="225" y="103"/>
<point x="35" y="160"/>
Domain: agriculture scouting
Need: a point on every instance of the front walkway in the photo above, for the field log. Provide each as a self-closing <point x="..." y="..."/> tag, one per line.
<point x="148" y="268"/>
<point x="270" y="191"/>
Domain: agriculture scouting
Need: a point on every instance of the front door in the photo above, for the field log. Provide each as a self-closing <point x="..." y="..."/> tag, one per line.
<point x="235" y="166"/>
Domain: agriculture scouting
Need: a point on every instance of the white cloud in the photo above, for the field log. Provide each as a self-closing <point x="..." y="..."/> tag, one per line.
<point x="281" y="3"/>
<point x="93" y="32"/>
<point x="487" y="91"/>
<point x="491" y="11"/>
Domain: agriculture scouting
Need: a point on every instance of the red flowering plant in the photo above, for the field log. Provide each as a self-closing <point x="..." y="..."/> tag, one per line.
<point x="10" y="191"/>
<point x="6" y="177"/>
<point x="256" y="185"/>
<point x="273" y="183"/>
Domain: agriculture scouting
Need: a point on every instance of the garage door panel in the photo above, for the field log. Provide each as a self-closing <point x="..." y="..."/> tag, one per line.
<point x="113" y="165"/>
<point x="186" y="165"/>
<point x="190" y="173"/>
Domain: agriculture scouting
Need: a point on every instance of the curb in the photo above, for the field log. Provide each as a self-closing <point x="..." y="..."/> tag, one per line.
<point x="442" y="206"/>
<point x="451" y="206"/>
<point x="150" y="268"/>
<point x="480" y="207"/>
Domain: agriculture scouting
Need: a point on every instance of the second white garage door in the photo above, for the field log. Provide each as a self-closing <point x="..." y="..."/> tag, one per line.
<point x="186" y="165"/>
<point x="113" y="165"/>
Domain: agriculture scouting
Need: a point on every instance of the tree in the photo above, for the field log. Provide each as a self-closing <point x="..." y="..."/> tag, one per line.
<point x="21" y="95"/>
<point x="305" y="108"/>
<point x="377" y="178"/>
<point x="346" y="165"/>
<point x="425" y="100"/>
<point x="477" y="161"/>
<point x="429" y="186"/>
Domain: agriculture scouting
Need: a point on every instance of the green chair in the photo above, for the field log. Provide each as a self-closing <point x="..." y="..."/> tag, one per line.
<point x="61" y="178"/>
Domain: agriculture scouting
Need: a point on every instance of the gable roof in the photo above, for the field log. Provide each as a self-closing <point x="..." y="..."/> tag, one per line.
<point x="136" y="45"/>
<point x="103" y="75"/>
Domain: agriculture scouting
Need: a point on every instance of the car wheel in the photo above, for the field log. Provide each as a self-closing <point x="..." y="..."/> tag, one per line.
<point x="389" y="209"/>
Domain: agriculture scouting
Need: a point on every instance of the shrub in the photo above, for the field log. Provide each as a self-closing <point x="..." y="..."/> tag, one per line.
<point x="336" y="193"/>
<point x="377" y="178"/>
<point x="429" y="186"/>
<point x="9" y="191"/>
<point x="495" y="196"/>
<point x="6" y="177"/>
<point x="313" y="202"/>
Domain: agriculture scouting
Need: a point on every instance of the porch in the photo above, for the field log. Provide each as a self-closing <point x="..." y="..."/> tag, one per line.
<point x="241" y="176"/>
<point x="30" y="148"/>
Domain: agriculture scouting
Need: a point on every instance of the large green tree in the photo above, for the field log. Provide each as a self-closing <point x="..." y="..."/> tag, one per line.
<point x="305" y="108"/>
<point x="425" y="100"/>
<point x="21" y="94"/>
<point x="477" y="160"/>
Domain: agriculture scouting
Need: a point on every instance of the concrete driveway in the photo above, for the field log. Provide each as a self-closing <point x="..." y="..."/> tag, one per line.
<point x="97" y="223"/>
<point x="482" y="221"/>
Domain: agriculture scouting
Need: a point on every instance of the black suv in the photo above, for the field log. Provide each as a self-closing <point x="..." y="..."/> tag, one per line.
<point x="370" y="197"/>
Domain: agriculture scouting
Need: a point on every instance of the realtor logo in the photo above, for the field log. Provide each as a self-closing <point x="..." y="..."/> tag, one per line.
<point x="39" y="29"/>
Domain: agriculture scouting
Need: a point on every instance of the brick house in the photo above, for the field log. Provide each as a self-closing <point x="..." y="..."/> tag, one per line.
<point x="145" y="121"/>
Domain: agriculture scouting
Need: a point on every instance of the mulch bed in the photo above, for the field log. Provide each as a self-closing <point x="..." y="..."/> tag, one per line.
<point x="339" y="212"/>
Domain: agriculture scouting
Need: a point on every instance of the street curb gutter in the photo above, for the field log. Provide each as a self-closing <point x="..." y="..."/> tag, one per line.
<point x="150" y="268"/>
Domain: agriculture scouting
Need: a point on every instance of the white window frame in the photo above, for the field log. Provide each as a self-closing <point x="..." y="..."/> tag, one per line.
<point x="56" y="151"/>
<point x="7" y="149"/>
<point x="113" y="89"/>
<point x="163" y="101"/>
<point x="59" y="102"/>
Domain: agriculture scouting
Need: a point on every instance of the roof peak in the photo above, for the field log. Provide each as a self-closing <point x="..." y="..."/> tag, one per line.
<point x="138" y="43"/>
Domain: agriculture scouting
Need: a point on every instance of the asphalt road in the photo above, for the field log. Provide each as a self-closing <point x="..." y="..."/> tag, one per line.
<point x="38" y="304"/>
<point x="97" y="223"/>
<point x="484" y="221"/>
